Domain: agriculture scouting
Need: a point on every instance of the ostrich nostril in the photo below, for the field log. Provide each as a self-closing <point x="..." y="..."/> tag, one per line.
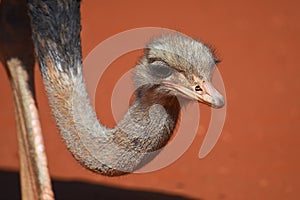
<point x="198" y="88"/>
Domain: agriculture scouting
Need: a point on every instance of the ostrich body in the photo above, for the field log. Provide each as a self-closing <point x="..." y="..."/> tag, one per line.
<point x="174" y="69"/>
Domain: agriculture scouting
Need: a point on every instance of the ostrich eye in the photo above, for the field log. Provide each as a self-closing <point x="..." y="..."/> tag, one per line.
<point x="160" y="71"/>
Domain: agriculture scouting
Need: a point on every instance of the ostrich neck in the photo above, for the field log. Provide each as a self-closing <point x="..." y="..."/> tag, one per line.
<point x="145" y="128"/>
<point x="139" y="136"/>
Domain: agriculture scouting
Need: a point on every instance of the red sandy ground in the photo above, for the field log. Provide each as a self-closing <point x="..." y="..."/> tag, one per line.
<point x="257" y="156"/>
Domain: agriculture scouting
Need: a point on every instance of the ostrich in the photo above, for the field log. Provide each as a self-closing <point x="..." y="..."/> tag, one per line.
<point x="174" y="69"/>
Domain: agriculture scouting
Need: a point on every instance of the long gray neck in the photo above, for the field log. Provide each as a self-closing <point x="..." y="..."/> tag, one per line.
<point x="144" y="130"/>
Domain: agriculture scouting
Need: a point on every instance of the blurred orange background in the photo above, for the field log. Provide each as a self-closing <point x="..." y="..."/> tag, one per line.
<point x="257" y="156"/>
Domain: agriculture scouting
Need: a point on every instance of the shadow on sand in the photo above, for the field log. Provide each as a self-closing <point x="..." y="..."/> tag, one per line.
<point x="10" y="190"/>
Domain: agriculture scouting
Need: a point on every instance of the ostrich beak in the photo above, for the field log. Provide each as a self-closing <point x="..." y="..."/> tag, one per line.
<point x="207" y="93"/>
<point x="204" y="92"/>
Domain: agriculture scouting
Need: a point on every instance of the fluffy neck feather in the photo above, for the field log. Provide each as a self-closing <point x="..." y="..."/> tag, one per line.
<point x="145" y="128"/>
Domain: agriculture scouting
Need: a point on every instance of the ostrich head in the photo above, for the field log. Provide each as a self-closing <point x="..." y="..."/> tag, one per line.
<point x="179" y="66"/>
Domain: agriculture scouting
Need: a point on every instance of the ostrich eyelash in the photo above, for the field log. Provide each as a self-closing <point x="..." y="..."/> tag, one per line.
<point x="152" y="60"/>
<point x="213" y="51"/>
<point x="217" y="60"/>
